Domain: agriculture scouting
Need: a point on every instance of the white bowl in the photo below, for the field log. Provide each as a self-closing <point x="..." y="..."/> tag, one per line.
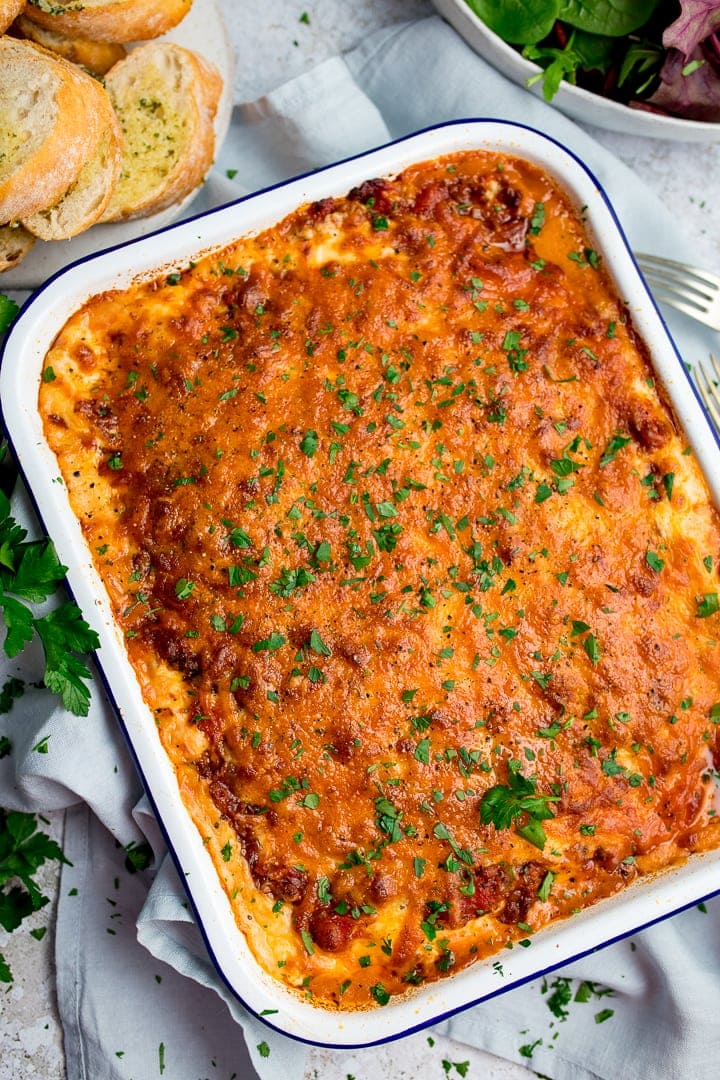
<point x="574" y="101"/>
<point x="639" y="906"/>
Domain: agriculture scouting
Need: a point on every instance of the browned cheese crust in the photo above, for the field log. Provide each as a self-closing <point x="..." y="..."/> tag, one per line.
<point x="415" y="568"/>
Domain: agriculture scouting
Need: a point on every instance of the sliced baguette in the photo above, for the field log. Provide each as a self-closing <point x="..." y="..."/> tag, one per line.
<point x="165" y="98"/>
<point x="15" y="242"/>
<point x="96" y="56"/>
<point x="108" y="20"/>
<point x="86" y="201"/>
<point x="54" y="119"/>
<point x="9" y="10"/>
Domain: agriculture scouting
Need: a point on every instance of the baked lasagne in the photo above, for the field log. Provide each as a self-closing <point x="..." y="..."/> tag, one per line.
<point x="415" y="568"/>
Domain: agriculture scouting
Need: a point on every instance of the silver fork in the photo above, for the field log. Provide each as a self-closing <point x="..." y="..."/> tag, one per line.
<point x="709" y="386"/>
<point x="687" y="288"/>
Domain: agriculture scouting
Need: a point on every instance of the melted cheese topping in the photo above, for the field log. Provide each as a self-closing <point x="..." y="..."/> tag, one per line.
<point x="414" y="567"/>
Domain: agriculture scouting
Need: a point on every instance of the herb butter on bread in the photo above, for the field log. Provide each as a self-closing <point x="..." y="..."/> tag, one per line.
<point x="58" y="134"/>
<point x="108" y="20"/>
<point x="165" y="98"/>
<point x="85" y="202"/>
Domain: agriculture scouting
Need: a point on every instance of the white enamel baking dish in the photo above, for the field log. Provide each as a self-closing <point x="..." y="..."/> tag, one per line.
<point x="642" y="904"/>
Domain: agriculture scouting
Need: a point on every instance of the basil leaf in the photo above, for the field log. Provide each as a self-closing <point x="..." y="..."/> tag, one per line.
<point x="516" y="22"/>
<point x="614" y="18"/>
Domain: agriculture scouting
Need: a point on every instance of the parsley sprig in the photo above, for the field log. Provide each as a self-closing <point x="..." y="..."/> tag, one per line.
<point x="503" y="803"/>
<point x="23" y="850"/>
<point x="30" y="572"/>
<point x="8" y="311"/>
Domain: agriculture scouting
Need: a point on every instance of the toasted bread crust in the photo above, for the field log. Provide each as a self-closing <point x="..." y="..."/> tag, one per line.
<point x="86" y="201"/>
<point x="165" y="97"/>
<point x="109" y="20"/>
<point x="9" y="10"/>
<point x="54" y="117"/>
<point x="96" y="56"/>
<point x="15" y="242"/>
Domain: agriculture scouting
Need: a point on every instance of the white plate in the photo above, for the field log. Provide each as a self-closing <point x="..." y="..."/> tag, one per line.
<point x="576" y="102"/>
<point x="649" y="900"/>
<point x="202" y="30"/>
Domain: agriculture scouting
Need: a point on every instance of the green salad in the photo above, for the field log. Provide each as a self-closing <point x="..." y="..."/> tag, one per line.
<point x="663" y="57"/>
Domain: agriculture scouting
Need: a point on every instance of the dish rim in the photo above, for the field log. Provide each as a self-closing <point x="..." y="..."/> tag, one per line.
<point x="574" y="101"/>
<point x="361" y="1028"/>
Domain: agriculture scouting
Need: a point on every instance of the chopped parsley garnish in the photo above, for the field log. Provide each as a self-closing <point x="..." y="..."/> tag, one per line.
<point x="184" y="588"/>
<point x="537" y="220"/>
<point x="310" y="443"/>
<point x="504" y="803"/>
<point x="707" y="605"/>
<point x="270" y="644"/>
<point x="317" y="644"/>
<point x="546" y="886"/>
<point x="291" y="580"/>
<point x="611" y="767"/>
<point x="654" y="561"/>
<point x="612" y="449"/>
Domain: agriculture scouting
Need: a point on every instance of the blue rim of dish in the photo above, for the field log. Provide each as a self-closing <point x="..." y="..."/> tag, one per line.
<point x="520" y="980"/>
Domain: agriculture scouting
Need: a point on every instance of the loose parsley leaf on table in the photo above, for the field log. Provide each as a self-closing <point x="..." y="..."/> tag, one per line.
<point x="8" y="311"/>
<point x="30" y="572"/>
<point x="23" y="850"/>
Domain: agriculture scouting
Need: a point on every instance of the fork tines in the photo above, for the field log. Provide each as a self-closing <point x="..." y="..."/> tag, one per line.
<point x="709" y="387"/>
<point x="686" y="287"/>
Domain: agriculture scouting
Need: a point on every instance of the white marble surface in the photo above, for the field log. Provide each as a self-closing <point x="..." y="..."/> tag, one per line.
<point x="274" y="40"/>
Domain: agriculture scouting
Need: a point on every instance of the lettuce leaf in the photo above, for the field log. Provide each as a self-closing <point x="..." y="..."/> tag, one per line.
<point x="698" y="19"/>
<point x="694" y="95"/>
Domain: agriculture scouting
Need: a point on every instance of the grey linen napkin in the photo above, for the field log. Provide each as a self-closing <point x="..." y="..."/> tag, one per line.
<point x="133" y="974"/>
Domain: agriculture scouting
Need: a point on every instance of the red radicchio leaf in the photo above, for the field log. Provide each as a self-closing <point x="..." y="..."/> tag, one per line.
<point x="695" y="96"/>
<point x="698" y="19"/>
